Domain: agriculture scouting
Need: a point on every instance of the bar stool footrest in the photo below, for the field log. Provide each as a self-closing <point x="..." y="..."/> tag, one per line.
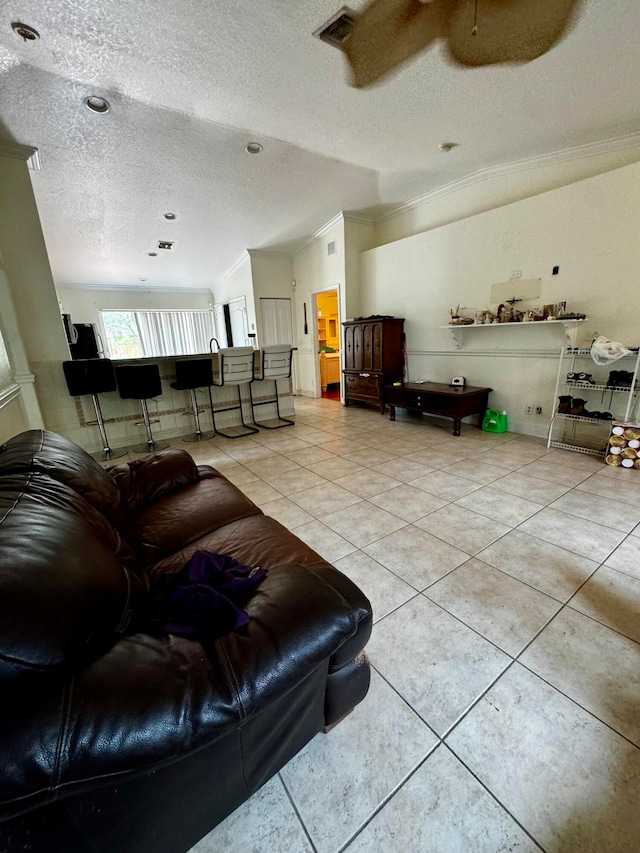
<point x="275" y="423"/>
<point x="243" y="431"/>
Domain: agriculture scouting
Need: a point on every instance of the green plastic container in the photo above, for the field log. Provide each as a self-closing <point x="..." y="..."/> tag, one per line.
<point x="495" y="421"/>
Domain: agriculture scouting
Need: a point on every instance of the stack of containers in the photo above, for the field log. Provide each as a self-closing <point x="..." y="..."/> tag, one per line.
<point x="623" y="449"/>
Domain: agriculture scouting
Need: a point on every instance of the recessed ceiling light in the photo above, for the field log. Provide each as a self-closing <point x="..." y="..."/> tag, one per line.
<point x="97" y="104"/>
<point x="447" y="146"/>
<point x="144" y="279"/>
<point x="152" y="254"/>
<point x="25" y="31"/>
<point x="170" y="216"/>
<point x="253" y="148"/>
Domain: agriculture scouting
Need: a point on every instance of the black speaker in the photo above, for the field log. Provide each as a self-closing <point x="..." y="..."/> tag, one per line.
<point x="138" y="381"/>
<point x="196" y="373"/>
<point x="89" y="376"/>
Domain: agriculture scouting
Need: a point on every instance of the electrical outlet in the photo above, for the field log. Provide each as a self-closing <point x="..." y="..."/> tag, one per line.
<point x="538" y="409"/>
<point x="528" y="408"/>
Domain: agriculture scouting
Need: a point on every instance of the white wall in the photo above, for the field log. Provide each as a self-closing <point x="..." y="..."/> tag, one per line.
<point x="12" y="418"/>
<point x="496" y="187"/>
<point x="588" y="228"/>
<point x="272" y="274"/>
<point x="358" y="237"/>
<point x="31" y="324"/>
<point x="238" y="282"/>
<point x="84" y="303"/>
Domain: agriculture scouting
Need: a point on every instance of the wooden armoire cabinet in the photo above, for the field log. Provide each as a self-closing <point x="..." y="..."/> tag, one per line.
<point x="372" y="358"/>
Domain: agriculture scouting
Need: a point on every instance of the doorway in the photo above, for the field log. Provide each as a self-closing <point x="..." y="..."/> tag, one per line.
<point x="328" y="328"/>
<point x="238" y="326"/>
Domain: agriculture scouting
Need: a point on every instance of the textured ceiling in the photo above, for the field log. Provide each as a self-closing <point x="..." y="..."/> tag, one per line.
<point x="192" y="82"/>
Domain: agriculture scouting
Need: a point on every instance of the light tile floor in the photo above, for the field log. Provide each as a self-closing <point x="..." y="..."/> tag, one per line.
<point x="504" y="708"/>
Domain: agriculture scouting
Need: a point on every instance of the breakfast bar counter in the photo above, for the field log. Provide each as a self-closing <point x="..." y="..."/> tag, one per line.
<point x="171" y="411"/>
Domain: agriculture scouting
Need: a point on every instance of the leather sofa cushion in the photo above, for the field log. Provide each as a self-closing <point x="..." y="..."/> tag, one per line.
<point x="148" y="700"/>
<point x="145" y="480"/>
<point x="263" y="541"/>
<point x="187" y="514"/>
<point x="255" y="541"/>
<point x="52" y="454"/>
<point x="61" y="586"/>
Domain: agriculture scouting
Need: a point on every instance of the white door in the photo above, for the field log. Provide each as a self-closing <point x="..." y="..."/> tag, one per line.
<point x="239" y="324"/>
<point x="220" y="327"/>
<point x="277" y="326"/>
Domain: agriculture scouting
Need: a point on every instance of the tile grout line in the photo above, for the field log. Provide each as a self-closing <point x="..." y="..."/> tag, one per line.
<point x="297" y="812"/>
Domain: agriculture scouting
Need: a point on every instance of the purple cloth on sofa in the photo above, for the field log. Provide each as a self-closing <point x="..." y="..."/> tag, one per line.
<point x="201" y="600"/>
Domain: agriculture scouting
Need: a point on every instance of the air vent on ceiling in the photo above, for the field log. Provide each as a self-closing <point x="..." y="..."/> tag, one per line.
<point x="331" y="248"/>
<point x="165" y="244"/>
<point x="336" y="30"/>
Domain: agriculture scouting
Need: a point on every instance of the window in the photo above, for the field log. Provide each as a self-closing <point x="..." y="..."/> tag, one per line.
<point x="139" y="334"/>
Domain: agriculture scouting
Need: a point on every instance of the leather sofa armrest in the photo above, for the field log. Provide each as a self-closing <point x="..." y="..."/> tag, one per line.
<point x="145" y="480"/>
<point x="360" y="606"/>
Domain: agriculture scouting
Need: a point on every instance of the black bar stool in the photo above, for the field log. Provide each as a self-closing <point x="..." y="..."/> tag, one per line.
<point x="236" y="368"/>
<point x="192" y="374"/>
<point x="93" y="376"/>
<point x="275" y="364"/>
<point x="141" y="382"/>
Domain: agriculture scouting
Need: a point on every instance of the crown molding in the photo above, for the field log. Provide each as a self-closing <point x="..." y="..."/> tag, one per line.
<point x="591" y="149"/>
<point x="17" y="152"/>
<point x="134" y="287"/>
<point x="358" y="219"/>
<point x="267" y="253"/>
<point x="245" y="256"/>
<point x="336" y="220"/>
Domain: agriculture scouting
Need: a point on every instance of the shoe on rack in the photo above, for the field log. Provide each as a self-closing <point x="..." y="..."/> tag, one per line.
<point x="620" y="379"/>
<point x="586" y="377"/>
<point x="605" y="416"/>
<point x="564" y="406"/>
<point x="578" y="410"/>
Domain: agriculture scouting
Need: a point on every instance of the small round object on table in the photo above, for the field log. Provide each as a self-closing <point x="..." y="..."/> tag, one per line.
<point x="617" y="430"/>
<point x="627" y="463"/>
<point x="615" y="461"/>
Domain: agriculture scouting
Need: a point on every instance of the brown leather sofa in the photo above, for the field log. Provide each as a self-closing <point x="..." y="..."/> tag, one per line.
<point x="118" y="741"/>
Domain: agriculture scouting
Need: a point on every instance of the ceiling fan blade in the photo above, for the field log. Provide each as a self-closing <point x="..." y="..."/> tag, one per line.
<point x="389" y="32"/>
<point x="507" y="30"/>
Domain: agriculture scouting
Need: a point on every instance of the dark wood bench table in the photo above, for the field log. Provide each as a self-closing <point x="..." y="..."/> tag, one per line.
<point x="436" y="398"/>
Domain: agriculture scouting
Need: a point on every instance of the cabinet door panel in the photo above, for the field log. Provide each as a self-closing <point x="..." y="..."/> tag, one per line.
<point x="357" y="348"/>
<point x="367" y="347"/>
<point x="376" y="355"/>
<point x="349" y="352"/>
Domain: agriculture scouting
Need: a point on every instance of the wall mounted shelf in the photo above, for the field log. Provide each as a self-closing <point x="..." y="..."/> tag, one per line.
<point x="570" y="328"/>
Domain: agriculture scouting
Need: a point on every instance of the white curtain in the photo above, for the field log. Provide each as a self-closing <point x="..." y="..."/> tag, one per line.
<point x="174" y="332"/>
